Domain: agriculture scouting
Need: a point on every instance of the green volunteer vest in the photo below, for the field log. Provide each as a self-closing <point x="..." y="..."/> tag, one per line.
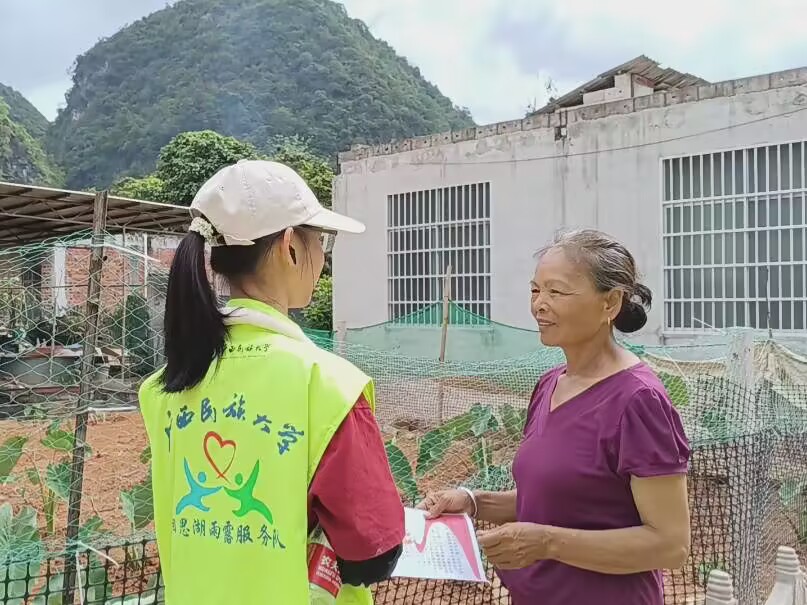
<point x="232" y="460"/>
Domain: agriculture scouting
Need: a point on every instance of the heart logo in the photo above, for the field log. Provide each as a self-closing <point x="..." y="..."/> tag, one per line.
<point x="221" y="456"/>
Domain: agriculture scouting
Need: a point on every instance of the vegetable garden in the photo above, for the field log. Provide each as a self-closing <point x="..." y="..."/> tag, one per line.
<point x="70" y="434"/>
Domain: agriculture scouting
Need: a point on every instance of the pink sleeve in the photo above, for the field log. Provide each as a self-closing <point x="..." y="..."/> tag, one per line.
<point x="353" y="495"/>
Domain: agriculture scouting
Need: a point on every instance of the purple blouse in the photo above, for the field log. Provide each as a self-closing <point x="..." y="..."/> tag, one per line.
<point x="573" y="469"/>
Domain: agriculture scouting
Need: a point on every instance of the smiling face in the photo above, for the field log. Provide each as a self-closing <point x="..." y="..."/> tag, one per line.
<point x="566" y="304"/>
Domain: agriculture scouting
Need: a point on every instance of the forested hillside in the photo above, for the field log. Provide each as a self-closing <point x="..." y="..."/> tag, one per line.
<point x="24" y="113"/>
<point x="22" y="128"/>
<point x="259" y="70"/>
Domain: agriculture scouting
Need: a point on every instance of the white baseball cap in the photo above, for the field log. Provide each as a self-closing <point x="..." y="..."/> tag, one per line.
<point x="255" y="198"/>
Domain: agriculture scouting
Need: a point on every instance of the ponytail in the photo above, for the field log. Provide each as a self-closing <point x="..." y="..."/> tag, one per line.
<point x="194" y="327"/>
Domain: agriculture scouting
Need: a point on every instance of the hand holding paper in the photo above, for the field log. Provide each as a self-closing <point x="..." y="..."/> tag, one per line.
<point x="443" y="548"/>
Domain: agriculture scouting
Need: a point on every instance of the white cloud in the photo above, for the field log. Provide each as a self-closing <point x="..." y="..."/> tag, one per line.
<point x="448" y="41"/>
<point x="452" y="42"/>
<point x="492" y="56"/>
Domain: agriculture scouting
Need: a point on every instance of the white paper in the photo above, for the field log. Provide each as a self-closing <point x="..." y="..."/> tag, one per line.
<point x="444" y="548"/>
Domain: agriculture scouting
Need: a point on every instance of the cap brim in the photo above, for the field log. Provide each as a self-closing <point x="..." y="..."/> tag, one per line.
<point x="327" y="219"/>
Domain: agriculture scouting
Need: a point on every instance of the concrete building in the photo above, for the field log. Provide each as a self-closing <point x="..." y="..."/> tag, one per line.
<point x="704" y="182"/>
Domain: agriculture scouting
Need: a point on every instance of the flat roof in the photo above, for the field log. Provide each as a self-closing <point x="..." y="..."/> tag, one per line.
<point x="30" y="214"/>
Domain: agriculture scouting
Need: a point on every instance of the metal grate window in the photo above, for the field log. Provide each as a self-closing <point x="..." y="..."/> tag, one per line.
<point x="426" y="232"/>
<point x="734" y="239"/>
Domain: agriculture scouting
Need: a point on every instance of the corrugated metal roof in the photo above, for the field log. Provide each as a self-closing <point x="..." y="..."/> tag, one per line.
<point x="662" y="78"/>
<point x="30" y="214"/>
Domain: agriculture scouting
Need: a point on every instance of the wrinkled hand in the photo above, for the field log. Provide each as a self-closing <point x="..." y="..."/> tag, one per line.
<point x="446" y="502"/>
<point x="514" y="545"/>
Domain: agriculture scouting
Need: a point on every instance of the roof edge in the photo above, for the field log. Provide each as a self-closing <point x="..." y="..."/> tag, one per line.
<point x="728" y="88"/>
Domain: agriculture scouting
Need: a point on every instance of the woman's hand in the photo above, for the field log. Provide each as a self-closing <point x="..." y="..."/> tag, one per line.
<point x="515" y="545"/>
<point x="447" y="502"/>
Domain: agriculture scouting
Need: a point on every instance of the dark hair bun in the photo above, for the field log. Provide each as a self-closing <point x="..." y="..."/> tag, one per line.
<point x="631" y="317"/>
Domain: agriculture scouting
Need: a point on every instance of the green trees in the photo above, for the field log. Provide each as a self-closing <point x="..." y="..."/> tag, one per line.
<point x="193" y="157"/>
<point x="190" y="158"/>
<point x="252" y="69"/>
<point x="21" y="156"/>
<point x="319" y="314"/>
<point x="148" y="188"/>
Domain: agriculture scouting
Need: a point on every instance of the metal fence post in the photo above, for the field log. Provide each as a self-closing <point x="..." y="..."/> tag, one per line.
<point x="84" y="395"/>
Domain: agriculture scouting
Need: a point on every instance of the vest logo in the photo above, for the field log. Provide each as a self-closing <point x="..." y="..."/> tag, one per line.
<point x="220" y="455"/>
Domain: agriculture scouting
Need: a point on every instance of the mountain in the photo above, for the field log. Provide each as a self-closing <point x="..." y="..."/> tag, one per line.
<point x="24" y="113"/>
<point x="22" y="158"/>
<point x="253" y="69"/>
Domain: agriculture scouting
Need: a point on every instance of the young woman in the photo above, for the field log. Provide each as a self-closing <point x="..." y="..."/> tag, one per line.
<point x="600" y="504"/>
<point x="258" y="436"/>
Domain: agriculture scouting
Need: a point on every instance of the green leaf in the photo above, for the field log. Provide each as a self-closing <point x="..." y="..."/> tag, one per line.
<point x="138" y="505"/>
<point x="10" y="452"/>
<point x="98" y="587"/>
<point x="33" y="476"/>
<point x="19" y="539"/>
<point x="676" y="388"/>
<point x="513" y="419"/>
<point x="482" y="455"/>
<point x="792" y="491"/>
<point x="483" y="420"/>
<point x="57" y="479"/>
<point x="459" y="427"/>
<point x="91" y="529"/>
<point x="59" y="440"/>
<point x="145" y="455"/>
<point x="432" y="449"/>
<point x="402" y="472"/>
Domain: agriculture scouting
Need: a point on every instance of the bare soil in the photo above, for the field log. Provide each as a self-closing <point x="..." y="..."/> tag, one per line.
<point x="117" y="441"/>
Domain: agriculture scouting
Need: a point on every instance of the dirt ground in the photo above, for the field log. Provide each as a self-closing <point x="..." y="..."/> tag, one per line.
<point x="117" y="441"/>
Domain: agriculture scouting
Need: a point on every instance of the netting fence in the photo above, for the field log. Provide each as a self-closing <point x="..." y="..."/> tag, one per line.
<point x="450" y="423"/>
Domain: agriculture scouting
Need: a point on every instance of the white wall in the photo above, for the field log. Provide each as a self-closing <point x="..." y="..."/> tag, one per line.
<point x="605" y="173"/>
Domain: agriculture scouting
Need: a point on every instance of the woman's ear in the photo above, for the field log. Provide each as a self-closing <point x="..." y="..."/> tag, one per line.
<point x="613" y="303"/>
<point x="287" y="247"/>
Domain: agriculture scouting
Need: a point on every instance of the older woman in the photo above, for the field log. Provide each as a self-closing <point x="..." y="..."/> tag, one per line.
<point x="600" y="504"/>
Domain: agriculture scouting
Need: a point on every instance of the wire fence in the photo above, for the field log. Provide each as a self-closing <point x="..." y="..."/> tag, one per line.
<point x="448" y="423"/>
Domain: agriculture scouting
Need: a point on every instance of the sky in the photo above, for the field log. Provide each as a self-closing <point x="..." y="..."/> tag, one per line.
<point x="495" y="57"/>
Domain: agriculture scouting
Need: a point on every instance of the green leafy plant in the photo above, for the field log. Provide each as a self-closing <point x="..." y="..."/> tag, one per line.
<point x="318" y="315"/>
<point x="53" y="481"/>
<point x="21" y="549"/>
<point x="138" y="504"/>
<point x="676" y="388"/>
<point x="480" y="425"/>
<point x="138" y="507"/>
<point x="402" y="472"/>
<point x="513" y="420"/>
<point x="432" y="449"/>
<point x="10" y="453"/>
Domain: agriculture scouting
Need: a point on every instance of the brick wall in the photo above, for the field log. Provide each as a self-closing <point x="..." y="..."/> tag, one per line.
<point x="122" y="273"/>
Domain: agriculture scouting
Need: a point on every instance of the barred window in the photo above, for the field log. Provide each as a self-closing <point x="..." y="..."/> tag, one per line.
<point x="734" y="238"/>
<point x="428" y="231"/>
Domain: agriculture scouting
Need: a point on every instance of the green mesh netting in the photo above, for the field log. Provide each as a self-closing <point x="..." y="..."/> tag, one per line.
<point x="450" y="423"/>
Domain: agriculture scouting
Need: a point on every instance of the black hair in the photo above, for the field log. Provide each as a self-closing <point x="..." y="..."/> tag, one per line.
<point x="195" y="334"/>
<point x="610" y="266"/>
